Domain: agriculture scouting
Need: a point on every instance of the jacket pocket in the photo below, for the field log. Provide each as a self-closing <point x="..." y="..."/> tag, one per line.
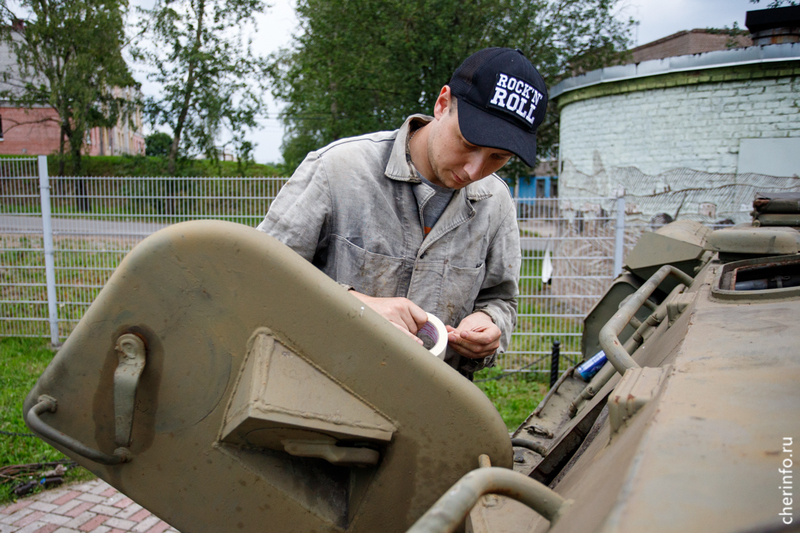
<point x="369" y="273"/>
<point x="460" y="289"/>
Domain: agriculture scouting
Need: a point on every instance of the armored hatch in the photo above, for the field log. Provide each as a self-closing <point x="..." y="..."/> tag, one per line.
<point x="231" y="386"/>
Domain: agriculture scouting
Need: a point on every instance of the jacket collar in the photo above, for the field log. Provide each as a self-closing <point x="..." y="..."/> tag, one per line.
<point x="399" y="167"/>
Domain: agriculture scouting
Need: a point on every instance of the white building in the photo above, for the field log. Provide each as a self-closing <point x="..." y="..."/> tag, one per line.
<point x="692" y="136"/>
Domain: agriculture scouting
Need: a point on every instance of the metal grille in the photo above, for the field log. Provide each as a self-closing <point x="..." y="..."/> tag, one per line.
<point x="23" y="300"/>
<point x="568" y="261"/>
<point x="96" y="221"/>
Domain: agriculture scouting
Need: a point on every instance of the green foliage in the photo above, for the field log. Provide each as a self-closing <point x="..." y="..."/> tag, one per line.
<point x="360" y="66"/>
<point x="138" y="165"/>
<point x="209" y="77"/>
<point x="69" y="59"/>
<point x="295" y="148"/>
<point x="158" y="144"/>
<point x="244" y="156"/>
<point x="777" y="3"/>
<point x="21" y="363"/>
<point x="734" y="33"/>
<point x="514" y="396"/>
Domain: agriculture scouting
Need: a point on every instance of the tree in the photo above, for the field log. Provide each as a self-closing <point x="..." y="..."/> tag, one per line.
<point x="158" y="144"/>
<point x="365" y="65"/>
<point x="209" y="77"/>
<point x="244" y="156"/>
<point x="69" y="58"/>
<point x="777" y="3"/>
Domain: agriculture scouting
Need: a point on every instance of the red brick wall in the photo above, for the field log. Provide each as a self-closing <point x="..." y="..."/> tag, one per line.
<point x="686" y="43"/>
<point x="31" y="132"/>
<point x="36" y="132"/>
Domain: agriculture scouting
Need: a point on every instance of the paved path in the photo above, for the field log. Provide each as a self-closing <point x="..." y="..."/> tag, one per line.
<point x="93" y="506"/>
<point x="78" y="226"/>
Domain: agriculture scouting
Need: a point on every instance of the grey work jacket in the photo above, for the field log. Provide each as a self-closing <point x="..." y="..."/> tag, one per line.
<point x="351" y="210"/>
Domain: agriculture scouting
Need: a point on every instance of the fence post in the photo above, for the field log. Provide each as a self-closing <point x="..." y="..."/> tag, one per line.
<point x="49" y="261"/>
<point x="555" y="357"/>
<point x="619" y="236"/>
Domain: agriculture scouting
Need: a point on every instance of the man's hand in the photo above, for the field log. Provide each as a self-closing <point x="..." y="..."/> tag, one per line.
<point x="476" y="336"/>
<point x="402" y="312"/>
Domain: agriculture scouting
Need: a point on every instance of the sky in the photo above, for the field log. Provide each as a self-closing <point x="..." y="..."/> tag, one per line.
<point x="657" y="19"/>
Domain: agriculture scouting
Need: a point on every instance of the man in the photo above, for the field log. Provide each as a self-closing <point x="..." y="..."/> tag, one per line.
<point x="414" y="220"/>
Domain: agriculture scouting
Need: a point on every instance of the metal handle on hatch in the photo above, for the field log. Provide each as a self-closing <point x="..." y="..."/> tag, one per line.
<point x="49" y="404"/>
<point x="448" y="512"/>
<point x="609" y="334"/>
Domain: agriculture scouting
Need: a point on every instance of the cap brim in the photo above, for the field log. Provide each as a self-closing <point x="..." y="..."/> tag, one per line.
<point x="485" y="129"/>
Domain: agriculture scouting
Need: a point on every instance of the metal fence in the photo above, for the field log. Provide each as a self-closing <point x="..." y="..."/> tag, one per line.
<point x="62" y="237"/>
<point x="571" y="251"/>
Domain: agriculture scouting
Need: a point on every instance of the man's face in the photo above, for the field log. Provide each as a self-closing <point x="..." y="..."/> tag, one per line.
<point x="456" y="162"/>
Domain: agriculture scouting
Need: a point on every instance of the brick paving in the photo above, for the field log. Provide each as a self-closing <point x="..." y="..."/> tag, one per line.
<point x="93" y="506"/>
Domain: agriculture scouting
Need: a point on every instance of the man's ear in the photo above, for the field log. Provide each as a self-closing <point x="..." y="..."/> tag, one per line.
<point x="442" y="105"/>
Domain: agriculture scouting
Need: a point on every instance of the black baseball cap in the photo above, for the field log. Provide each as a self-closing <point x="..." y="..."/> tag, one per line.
<point x="502" y="99"/>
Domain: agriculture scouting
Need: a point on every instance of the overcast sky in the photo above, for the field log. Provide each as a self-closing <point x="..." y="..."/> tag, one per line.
<point x="657" y="19"/>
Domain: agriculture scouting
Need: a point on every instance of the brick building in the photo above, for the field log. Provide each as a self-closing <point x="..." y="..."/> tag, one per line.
<point x="688" y="42"/>
<point x="35" y="131"/>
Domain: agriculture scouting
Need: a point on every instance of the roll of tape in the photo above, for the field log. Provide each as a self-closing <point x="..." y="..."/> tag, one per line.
<point x="434" y="336"/>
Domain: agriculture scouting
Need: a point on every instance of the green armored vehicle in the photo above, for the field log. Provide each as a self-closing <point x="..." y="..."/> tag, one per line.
<point x="217" y="364"/>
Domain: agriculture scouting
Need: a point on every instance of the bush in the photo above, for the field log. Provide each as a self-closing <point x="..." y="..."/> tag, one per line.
<point x="158" y="144"/>
<point x="139" y="165"/>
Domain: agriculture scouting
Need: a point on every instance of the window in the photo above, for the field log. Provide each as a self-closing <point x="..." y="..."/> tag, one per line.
<point x="1" y="127"/>
<point x="540" y="188"/>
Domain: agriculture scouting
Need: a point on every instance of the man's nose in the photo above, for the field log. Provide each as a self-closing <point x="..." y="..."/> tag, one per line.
<point x="475" y="165"/>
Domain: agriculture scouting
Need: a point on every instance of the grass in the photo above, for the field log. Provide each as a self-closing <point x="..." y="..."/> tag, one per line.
<point x="21" y="363"/>
<point x="514" y="396"/>
<point x="83" y="267"/>
<point x="543" y="316"/>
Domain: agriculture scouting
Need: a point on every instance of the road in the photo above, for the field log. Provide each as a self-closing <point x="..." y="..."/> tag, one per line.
<point x="20" y="224"/>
